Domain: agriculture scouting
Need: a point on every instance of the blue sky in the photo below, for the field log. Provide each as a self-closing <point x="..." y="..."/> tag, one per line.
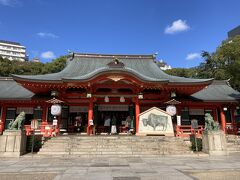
<point x="177" y="29"/>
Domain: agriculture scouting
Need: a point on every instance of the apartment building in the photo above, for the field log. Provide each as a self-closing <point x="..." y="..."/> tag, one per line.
<point x="12" y="50"/>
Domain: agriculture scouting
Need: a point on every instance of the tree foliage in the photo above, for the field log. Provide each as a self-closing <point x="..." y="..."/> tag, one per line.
<point x="8" y="67"/>
<point x="222" y="64"/>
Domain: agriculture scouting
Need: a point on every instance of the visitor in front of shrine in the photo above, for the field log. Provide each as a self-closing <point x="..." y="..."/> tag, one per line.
<point x="114" y="125"/>
<point x="94" y="125"/>
<point x="128" y="124"/>
<point x="107" y="122"/>
<point x="78" y="122"/>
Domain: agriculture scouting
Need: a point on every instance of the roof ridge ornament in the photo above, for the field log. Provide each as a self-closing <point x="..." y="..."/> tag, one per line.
<point x="115" y="63"/>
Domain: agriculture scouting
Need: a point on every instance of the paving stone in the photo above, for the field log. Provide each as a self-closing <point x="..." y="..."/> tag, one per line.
<point x="167" y="167"/>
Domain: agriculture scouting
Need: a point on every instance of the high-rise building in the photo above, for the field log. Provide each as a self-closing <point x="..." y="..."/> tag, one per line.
<point x="12" y="50"/>
<point x="234" y="32"/>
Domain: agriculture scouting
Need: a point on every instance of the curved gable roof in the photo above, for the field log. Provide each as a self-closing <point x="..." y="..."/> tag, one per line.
<point x="82" y="67"/>
<point x="10" y="89"/>
<point x="217" y="91"/>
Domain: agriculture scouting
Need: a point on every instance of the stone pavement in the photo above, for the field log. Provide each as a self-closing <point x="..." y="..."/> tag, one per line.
<point x="109" y="168"/>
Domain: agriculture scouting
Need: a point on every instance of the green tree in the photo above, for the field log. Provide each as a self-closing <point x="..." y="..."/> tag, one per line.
<point x="182" y="72"/>
<point x="8" y="67"/>
<point x="224" y="63"/>
<point x="55" y="66"/>
<point x="5" y="67"/>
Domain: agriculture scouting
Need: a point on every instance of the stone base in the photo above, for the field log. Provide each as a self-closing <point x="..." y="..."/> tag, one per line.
<point x="13" y="143"/>
<point x="214" y="143"/>
<point x="154" y="134"/>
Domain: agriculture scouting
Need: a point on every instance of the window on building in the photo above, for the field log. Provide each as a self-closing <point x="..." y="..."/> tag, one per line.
<point x="10" y="116"/>
<point x="237" y="114"/>
<point x="197" y="114"/>
<point x="64" y="117"/>
<point x="37" y="114"/>
<point x="227" y="114"/>
<point x="185" y="116"/>
<point x="50" y="116"/>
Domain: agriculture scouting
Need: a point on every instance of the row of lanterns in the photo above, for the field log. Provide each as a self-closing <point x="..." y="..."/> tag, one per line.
<point x="106" y="99"/>
<point x="122" y="98"/>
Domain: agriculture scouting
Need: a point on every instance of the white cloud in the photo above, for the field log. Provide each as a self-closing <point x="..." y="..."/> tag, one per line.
<point x="48" y="55"/>
<point x="177" y="26"/>
<point x="192" y="56"/>
<point x="10" y="3"/>
<point x="47" y="35"/>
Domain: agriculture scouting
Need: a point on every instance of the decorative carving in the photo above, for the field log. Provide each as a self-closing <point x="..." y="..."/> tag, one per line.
<point x="115" y="78"/>
<point x="154" y="120"/>
<point x="17" y="124"/>
<point x="210" y="124"/>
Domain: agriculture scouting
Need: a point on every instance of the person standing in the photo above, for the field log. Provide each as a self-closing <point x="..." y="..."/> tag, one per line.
<point x="107" y="122"/>
<point x="114" y="125"/>
<point x="128" y="124"/>
<point x="78" y="122"/>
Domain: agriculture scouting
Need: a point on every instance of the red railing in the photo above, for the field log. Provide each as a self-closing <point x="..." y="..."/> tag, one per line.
<point x="45" y="130"/>
<point x="187" y="130"/>
<point x="233" y="128"/>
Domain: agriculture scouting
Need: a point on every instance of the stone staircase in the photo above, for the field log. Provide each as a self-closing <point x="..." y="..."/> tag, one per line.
<point x="116" y="146"/>
<point x="233" y="143"/>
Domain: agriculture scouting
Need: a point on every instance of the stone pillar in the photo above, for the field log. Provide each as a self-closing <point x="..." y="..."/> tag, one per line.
<point x="90" y="115"/>
<point x="214" y="142"/>
<point x="137" y="112"/>
<point x="13" y="143"/>
<point x="223" y="120"/>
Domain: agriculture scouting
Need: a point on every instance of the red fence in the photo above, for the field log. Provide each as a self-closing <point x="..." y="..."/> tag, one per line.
<point x="187" y="130"/>
<point x="45" y="130"/>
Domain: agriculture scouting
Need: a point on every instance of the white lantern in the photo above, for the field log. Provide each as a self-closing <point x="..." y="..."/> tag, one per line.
<point x="56" y="109"/>
<point x="122" y="99"/>
<point x="106" y="99"/>
<point x="171" y="110"/>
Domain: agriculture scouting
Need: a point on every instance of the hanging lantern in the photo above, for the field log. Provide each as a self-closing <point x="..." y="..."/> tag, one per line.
<point x="140" y="96"/>
<point x="56" y="109"/>
<point x="89" y="95"/>
<point x="106" y="99"/>
<point x="122" y="99"/>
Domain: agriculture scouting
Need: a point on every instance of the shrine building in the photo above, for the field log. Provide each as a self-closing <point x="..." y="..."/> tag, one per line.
<point x="93" y="86"/>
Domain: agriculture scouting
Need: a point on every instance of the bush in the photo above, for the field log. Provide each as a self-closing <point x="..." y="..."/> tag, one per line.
<point x="193" y="143"/>
<point x="37" y="143"/>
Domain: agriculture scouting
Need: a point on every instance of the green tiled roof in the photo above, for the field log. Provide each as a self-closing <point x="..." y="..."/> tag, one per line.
<point x="217" y="91"/>
<point x="82" y="67"/>
<point x="9" y="89"/>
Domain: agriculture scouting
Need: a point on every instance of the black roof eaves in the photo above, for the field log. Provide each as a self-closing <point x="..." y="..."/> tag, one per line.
<point x="16" y="77"/>
<point x="16" y="99"/>
<point x="212" y="100"/>
<point x="221" y="101"/>
<point x="204" y="81"/>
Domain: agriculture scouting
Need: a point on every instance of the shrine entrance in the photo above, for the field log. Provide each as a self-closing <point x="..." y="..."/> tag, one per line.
<point x="117" y="115"/>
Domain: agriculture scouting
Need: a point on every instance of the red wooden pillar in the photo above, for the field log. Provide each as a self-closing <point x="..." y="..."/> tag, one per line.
<point x="90" y="115"/>
<point x="223" y="120"/>
<point x="137" y="112"/>
<point x="44" y="118"/>
<point x="4" y="113"/>
<point x="3" y="118"/>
